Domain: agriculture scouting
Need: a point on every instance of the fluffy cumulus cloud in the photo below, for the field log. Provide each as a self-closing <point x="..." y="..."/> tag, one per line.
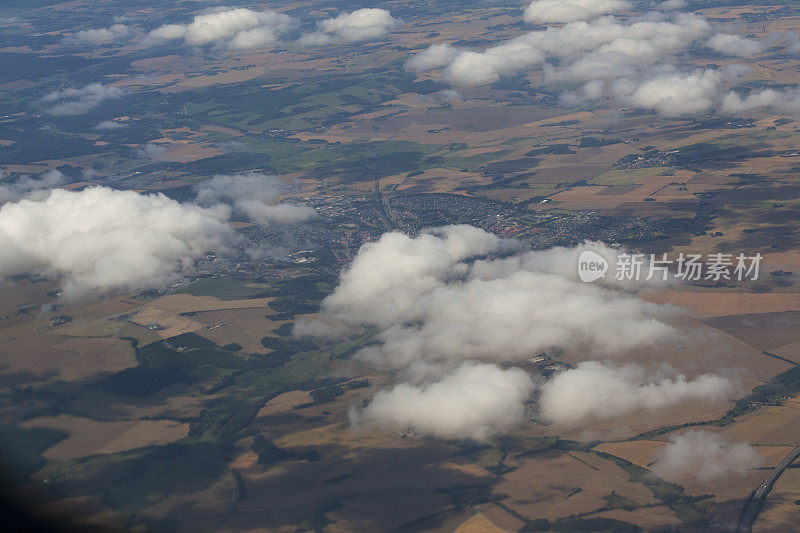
<point x="254" y="195"/>
<point x="780" y="100"/>
<point x="30" y="186"/>
<point x="603" y="49"/>
<point x="480" y="68"/>
<point x="100" y="239"/>
<point x="456" y="302"/>
<point x="679" y="93"/>
<point x="601" y="391"/>
<point x="226" y="28"/>
<point x="69" y="102"/>
<point x="433" y="57"/>
<point x="388" y="277"/>
<point x="112" y="34"/>
<point x="242" y="29"/>
<point x="554" y="11"/>
<point x="634" y="60"/>
<point x="475" y="401"/>
<point x="360" y="25"/>
<point x="706" y="456"/>
<point x="734" y="45"/>
<point x="427" y="300"/>
<point x="671" y="93"/>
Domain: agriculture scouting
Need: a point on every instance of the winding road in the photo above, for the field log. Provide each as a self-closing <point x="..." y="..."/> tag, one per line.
<point x="758" y="498"/>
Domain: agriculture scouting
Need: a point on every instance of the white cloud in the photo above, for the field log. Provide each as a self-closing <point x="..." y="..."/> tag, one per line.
<point x="305" y="327"/>
<point x="112" y="34"/>
<point x="449" y="95"/>
<point x="555" y="11"/>
<point x="254" y="195"/>
<point x="433" y="57"/>
<point x="475" y="401"/>
<point x="30" y="186"/>
<point x="634" y="60"/>
<point x="706" y="456"/>
<point x="165" y="33"/>
<point x="100" y="239"/>
<point x="459" y="295"/>
<point x="387" y="277"/>
<point x="630" y="60"/>
<point x="109" y="125"/>
<point x="516" y="315"/>
<point x="78" y="101"/>
<point x="150" y="151"/>
<point x="242" y="29"/>
<point x="671" y="4"/>
<point x="734" y="45"/>
<point x="479" y="68"/>
<point x="227" y="28"/>
<point x="678" y="94"/>
<point x="430" y="304"/>
<point x="360" y="25"/>
<point x="669" y="92"/>
<point x="599" y="391"/>
<point x="606" y="48"/>
<point x="782" y="101"/>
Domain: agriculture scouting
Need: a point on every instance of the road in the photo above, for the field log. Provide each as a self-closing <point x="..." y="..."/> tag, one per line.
<point x="757" y="499"/>
<point x="381" y="201"/>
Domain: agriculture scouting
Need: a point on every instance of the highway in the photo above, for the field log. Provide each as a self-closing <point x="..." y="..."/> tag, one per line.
<point x="758" y="498"/>
<point x="381" y="201"/>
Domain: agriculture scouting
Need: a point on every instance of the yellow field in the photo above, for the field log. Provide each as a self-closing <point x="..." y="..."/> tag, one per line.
<point x="639" y="422"/>
<point x="582" y="116"/>
<point x="185" y="303"/>
<point x="789" y="351"/>
<point x="143" y="335"/>
<point x="545" y="485"/>
<point x="174" y="323"/>
<point x="479" y="524"/>
<point x="649" y="518"/>
<point x="774" y="426"/>
<point x="338" y="434"/>
<point x="619" y="177"/>
<point x="60" y="358"/>
<point x="284" y="402"/>
<point x="112" y="353"/>
<point x="773" y="454"/>
<point x="165" y="311"/>
<point x="245" y="327"/>
<point x="89" y="437"/>
<point x="500" y="517"/>
<point x="706" y="304"/>
<point x="93" y="328"/>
